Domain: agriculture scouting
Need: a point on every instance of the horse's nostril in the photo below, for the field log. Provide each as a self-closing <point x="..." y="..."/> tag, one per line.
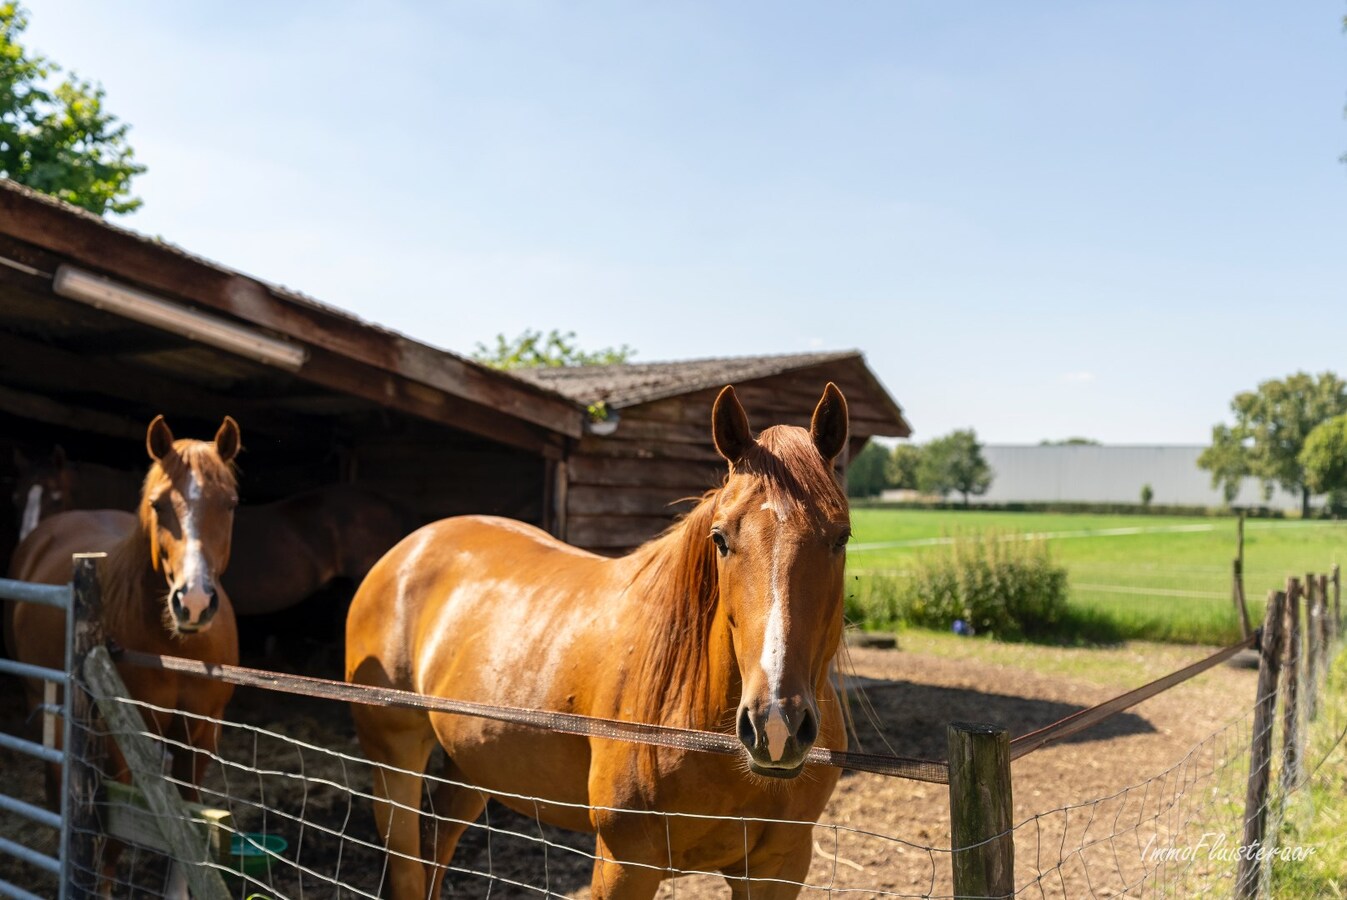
<point x="175" y="604"/>
<point x="747" y="736"/>
<point x="808" y="730"/>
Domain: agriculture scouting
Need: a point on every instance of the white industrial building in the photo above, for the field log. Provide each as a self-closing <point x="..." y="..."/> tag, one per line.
<point x="1090" y="473"/>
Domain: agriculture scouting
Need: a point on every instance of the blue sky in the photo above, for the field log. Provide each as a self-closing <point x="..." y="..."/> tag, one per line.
<point x="1039" y="220"/>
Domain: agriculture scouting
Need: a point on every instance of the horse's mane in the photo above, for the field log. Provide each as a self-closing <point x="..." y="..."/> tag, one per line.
<point x="127" y="573"/>
<point x="677" y="573"/>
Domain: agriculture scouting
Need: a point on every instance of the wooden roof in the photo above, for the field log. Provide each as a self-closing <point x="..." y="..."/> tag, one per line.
<point x="633" y="384"/>
<point x="64" y="352"/>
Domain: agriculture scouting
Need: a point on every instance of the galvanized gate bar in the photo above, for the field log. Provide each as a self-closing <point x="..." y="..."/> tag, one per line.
<point x="25" y="670"/>
<point x="17" y="893"/>
<point x="30" y="856"/>
<point x="30" y="811"/>
<point x="32" y="748"/>
<point x="27" y="592"/>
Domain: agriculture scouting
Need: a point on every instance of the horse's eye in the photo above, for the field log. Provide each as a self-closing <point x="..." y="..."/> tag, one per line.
<point x="232" y="503"/>
<point x="842" y="540"/>
<point x="722" y="545"/>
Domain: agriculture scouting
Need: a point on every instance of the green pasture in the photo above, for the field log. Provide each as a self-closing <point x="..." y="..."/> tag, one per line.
<point x="1164" y="578"/>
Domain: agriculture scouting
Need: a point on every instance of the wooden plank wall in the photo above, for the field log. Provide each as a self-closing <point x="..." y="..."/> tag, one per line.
<point x="625" y="488"/>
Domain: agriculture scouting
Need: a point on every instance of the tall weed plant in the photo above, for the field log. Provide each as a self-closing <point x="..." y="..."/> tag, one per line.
<point x="999" y="584"/>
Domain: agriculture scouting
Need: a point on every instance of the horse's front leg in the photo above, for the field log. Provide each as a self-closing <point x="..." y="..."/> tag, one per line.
<point x="615" y="879"/>
<point x="777" y="866"/>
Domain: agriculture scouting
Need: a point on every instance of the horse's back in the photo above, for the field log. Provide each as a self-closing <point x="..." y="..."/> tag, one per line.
<point x="491" y="611"/>
<point x="45" y="555"/>
<point x="492" y="577"/>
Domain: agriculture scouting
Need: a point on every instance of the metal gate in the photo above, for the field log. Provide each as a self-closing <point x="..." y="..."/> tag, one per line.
<point x="56" y="713"/>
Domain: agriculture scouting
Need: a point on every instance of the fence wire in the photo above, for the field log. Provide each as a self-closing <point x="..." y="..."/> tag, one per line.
<point x="1171" y="835"/>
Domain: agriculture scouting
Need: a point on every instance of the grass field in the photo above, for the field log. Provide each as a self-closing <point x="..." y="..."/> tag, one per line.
<point x="1162" y="578"/>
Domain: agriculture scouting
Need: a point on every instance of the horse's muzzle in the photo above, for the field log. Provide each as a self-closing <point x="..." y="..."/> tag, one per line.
<point x="189" y="617"/>
<point x="777" y="735"/>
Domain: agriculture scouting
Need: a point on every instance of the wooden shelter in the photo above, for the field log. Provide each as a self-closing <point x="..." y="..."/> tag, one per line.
<point x="102" y="328"/>
<point x="623" y="481"/>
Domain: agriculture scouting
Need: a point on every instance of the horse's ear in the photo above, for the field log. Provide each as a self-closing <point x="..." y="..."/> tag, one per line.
<point x="729" y="426"/>
<point x="227" y="440"/>
<point x="159" y="440"/>
<point x="828" y="428"/>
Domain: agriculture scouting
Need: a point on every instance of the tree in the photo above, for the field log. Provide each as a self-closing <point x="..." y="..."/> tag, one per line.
<point x="1147" y="495"/>
<point x="903" y="465"/>
<point x="533" y="349"/>
<point x="1228" y="462"/>
<point x="954" y="463"/>
<point x="59" y="140"/>
<point x="866" y="475"/>
<point x="1324" y="457"/>
<point x="1069" y="442"/>
<point x="1271" y="426"/>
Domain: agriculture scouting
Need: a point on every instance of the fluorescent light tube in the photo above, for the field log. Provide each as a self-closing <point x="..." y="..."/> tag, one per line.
<point x="101" y="293"/>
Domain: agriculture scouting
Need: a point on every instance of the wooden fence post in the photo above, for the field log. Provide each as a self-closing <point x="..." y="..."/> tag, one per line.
<point x="1328" y="622"/>
<point x="1337" y="599"/>
<point x="170" y="811"/>
<point x="80" y="831"/>
<point x="1291" y="707"/>
<point x="982" y="842"/>
<point x="1237" y="584"/>
<point x="1260" y="750"/>
<point x="1312" y="654"/>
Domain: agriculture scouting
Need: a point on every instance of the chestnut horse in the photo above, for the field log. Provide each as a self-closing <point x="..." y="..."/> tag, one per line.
<point x="728" y="621"/>
<point x="160" y="593"/>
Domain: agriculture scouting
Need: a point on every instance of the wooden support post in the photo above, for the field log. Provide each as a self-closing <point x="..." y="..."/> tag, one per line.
<point x="1312" y="654"/>
<point x="1328" y="623"/>
<point x="1337" y="599"/>
<point x="1260" y="752"/>
<point x="80" y="831"/>
<point x="1237" y="594"/>
<point x="1291" y="704"/>
<point x="982" y="839"/>
<point x="146" y="764"/>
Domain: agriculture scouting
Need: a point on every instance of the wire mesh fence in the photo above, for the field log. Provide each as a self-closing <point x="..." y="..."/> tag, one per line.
<point x="291" y="769"/>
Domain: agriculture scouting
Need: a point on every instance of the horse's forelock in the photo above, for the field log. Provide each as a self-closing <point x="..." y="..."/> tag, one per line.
<point x="798" y="481"/>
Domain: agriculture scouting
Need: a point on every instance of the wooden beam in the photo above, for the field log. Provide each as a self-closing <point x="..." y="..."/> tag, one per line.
<point x="52" y="412"/>
<point x="388" y="389"/>
<point x="63" y="371"/>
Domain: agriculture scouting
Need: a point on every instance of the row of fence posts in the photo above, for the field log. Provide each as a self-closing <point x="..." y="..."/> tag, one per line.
<point x="981" y="805"/>
<point x="1300" y="649"/>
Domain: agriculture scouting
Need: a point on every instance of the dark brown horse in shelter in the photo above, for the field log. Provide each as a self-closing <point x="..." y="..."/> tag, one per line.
<point x="728" y="621"/>
<point x="161" y="594"/>
<point x="283" y="552"/>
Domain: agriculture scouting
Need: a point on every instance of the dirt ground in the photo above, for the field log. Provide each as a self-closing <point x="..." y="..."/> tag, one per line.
<point x="879" y="836"/>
